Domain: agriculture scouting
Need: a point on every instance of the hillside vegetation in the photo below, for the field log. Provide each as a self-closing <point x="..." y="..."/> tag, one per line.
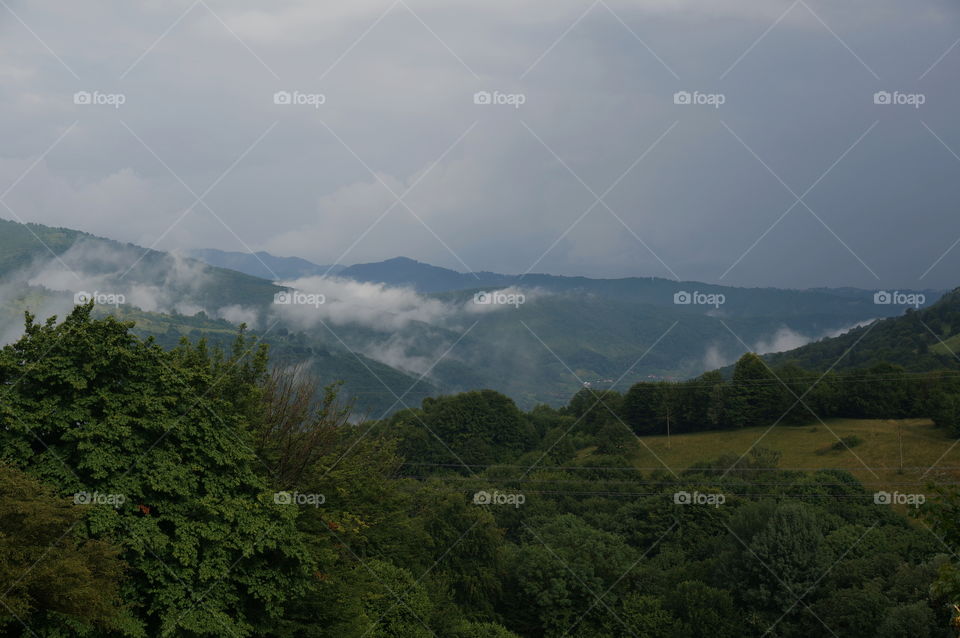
<point x="567" y="332"/>
<point x="924" y="339"/>
<point x="874" y="455"/>
<point x="194" y="491"/>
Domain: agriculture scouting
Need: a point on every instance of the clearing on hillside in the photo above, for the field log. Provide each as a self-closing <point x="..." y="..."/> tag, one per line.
<point x="872" y="452"/>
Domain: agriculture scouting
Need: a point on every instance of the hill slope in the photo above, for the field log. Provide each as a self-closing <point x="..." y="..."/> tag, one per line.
<point x="925" y="339"/>
<point x="565" y="331"/>
<point x="262" y="264"/>
<point x="171" y="296"/>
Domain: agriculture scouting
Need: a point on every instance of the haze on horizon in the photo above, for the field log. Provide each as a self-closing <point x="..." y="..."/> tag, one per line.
<point x="801" y="177"/>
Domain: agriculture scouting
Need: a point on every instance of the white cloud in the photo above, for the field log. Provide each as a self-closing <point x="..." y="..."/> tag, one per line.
<point x="370" y="305"/>
<point x="783" y="339"/>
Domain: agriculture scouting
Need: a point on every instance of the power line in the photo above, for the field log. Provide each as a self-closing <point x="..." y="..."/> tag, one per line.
<point x="869" y="497"/>
<point x="675" y="483"/>
<point x="672" y="483"/>
<point x="692" y="469"/>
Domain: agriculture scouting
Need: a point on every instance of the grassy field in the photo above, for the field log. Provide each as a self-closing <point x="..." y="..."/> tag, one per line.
<point x="810" y="447"/>
<point x="949" y="347"/>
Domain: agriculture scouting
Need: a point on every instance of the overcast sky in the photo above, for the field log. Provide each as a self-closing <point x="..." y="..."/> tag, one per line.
<point x="798" y="178"/>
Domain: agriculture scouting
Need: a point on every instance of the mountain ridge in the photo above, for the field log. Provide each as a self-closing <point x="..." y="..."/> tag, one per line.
<point x="562" y="332"/>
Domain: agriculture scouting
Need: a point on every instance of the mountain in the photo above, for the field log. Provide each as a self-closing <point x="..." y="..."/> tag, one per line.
<point x="537" y="338"/>
<point x="425" y="278"/>
<point x="572" y="330"/>
<point x="262" y="264"/>
<point x="819" y="306"/>
<point x="73" y="261"/>
<point x="920" y="340"/>
<point x="170" y="296"/>
<point x="826" y="303"/>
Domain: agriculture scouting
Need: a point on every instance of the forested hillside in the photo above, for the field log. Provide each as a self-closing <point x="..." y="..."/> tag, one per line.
<point x="193" y="492"/>
<point x="924" y="339"/>
<point x="416" y="320"/>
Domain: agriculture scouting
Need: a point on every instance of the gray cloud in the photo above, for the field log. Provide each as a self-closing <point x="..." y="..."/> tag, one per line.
<point x="201" y="97"/>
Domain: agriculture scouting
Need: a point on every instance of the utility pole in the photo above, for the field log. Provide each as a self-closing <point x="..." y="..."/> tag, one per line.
<point x="668" y="428"/>
<point x="900" y="441"/>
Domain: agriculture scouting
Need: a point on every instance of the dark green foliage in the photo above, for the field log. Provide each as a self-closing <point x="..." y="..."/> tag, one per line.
<point x="702" y="611"/>
<point x="199" y="440"/>
<point x="97" y="410"/>
<point x="53" y="581"/>
<point x="560" y="565"/>
<point x="841" y="444"/>
<point x="912" y="341"/>
<point x="758" y="395"/>
<point x="945" y="412"/>
<point x="473" y="428"/>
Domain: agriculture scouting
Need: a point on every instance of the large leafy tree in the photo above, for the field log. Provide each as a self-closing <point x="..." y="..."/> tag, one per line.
<point x="560" y="570"/>
<point x="91" y="408"/>
<point x="640" y="407"/>
<point x="786" y="558"/>
<point x="475" y="428"/>
<point x="52" y="582"/>
<point x="758" y="397"/>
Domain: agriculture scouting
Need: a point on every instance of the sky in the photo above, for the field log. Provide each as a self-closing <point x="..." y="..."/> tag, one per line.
<point x="748" y="142"/>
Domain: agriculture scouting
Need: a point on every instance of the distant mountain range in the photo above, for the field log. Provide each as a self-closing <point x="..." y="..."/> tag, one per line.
<point x="262" y="264"/>
<point x="428" y="279"/>
<point x="423" y="329"/>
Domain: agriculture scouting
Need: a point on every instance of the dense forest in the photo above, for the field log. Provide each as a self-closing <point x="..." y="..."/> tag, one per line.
<point x="193" y="491"/>
<point x="919" y="340"/>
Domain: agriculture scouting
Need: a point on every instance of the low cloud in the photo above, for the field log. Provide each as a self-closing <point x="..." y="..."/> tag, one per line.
<point x="155" y="283"/>
<point x="240" y="314"/>
<point x="713" y="359"/>
<point x="787" y="339"/>
<point x="783" y="339"/>
<point x="370" y="305"/>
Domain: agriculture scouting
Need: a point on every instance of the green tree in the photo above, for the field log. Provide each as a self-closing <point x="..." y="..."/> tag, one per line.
<point x="595" y="408"/>
<point x="475" y="428"/>
<point x="559" y="570"/>
<point x="915" y="620"/>
<point x="485" y="630"/>
<point x="645" y="615"/>
<point x="53" y="582"/>
<point x="757" y="398"/>
<point x="640" y="407"/>
<point x="395" y="604"/>
<point x="703" y="611"/>
<point x="90" y="407"/>
<point x="786" y="558"/>
<point x="945" y="412"/>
